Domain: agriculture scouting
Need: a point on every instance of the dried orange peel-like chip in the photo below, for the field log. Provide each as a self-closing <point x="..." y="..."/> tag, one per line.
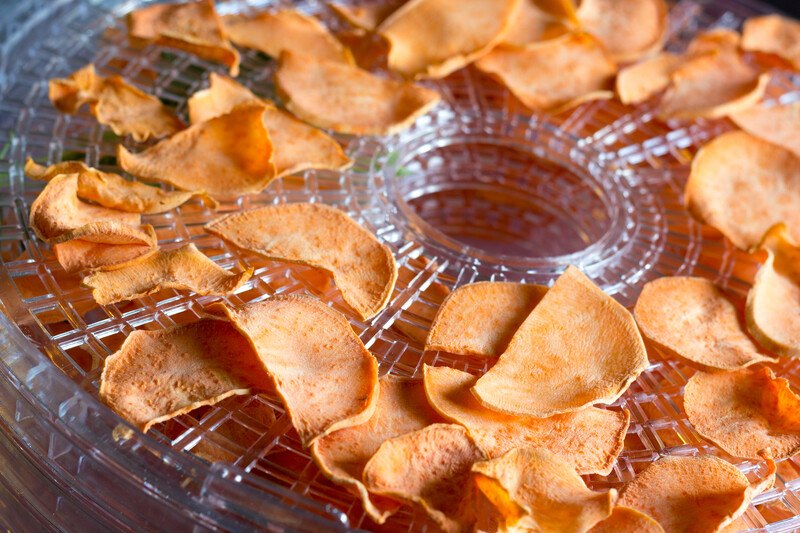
<point x="366" y="17"/>
<point x="627" y="520"/>
<point x="323" y="237"/>
<point x="578" y="347"/>
<point x="545" y="488"/>
<point x="194" y="27"/>
<point x="228" y="155"/>
<point x="742" y="186"/>
<point x="639" y="82"/>
<point x="539" y="20"/>
<point x="321" y="370"/>
<point x="773" y="301"/>
<point x="779" y="125"/>
<point x="480" y="318"/>
<point x="76" y="255"/>
<point x="590" y="439"/>
<point x="184" y="268"/>
<point x="342" y="455"/>
<point x="554" y="75"/>
<point x="157" y="375"/>
<point x="773" y="34"/>
<point x="272" y="32"/>
<point x="347" y="99"/>
<point x="693" y="319"/>
<point x="629" y="29"/>
<point x="745" y="412"/>
<point x="297" y="145"/>
<point x="431" y="468"/>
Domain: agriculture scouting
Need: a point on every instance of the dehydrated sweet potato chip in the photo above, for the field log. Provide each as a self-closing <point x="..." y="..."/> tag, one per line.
<point x="158" y="375"/>
<point x="637" y="83"/>
<point x="194" y="27"/>
<point x="369" y="16"/>
<point x="629" y="29"/>
<point x="227" y="155"/>
<point x="39" y="172"/>
<point x="297" y="145"/>
<point x="690" y="493"/>
<point x="772" y="303"/>
<point x="745" y="412"/>
<point x="743" y="186"/>
<point x="432" y="38"/>
<point x="480" y="318"/>
<point x="184" y="268"/>
<point x="320" y="236"/>
<point x="539" y="20"/>
<point x="773" y="34"/>
<point x="692" y="319"/>
<point x="347" y="99"/>
<point x="545" y="488"/>
<point x="554" y="75"/>
<point x="77" y="255"/>
<point x="627" y="520"/>
<point x="321" y="370"/>
<point x="714" y="40"/>
<point x="578" y="347"/>
<point x="342" y="455"/>
<point x="111" y="232"/>
<point x="778" y="124"/>
<point x="272" y="32"/>
<point x="590" y="439"/>
<point x="431" y="468"/>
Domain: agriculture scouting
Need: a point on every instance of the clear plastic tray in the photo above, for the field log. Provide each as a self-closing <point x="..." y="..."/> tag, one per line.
<point x="477" y="189"/>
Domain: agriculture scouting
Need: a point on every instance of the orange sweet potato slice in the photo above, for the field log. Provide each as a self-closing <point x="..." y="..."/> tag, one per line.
<point x="627" y="520"/>
<point x="714" y="40"/>
<point x="577" y="348"/>
<point x="539" y="20"/>
<point x="323" y="237"/>
<point x="342" y="455"/>
<point x="778" y="125"/>
<point x="366" y="17"/>
<point x="773" y="34"/>
<point x="480" y="318"/>
<point x="590" y="439"/>
<point x="639" y="82"/>
<point x="77" y="255"/>
<point x="629" y="29"/>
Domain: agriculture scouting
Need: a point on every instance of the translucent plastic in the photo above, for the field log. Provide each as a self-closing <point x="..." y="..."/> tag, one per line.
<point x="477" y="189"/>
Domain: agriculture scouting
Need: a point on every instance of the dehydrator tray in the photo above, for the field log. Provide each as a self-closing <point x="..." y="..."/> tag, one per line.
<point x="478" y="189"/>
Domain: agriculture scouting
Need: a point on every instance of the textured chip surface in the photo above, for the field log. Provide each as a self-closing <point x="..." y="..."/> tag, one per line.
<point x="627" y="520"/>
<point x="779" y="124"/>
<point x="639" y="82"/>
<point x="629" y="29"/>
<point x="773" y="34"/>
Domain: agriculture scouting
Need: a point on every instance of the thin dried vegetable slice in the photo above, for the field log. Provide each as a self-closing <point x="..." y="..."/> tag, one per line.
<point x="433" y="38"/>
<point x="779" y="125"/>
<point x="543" y="489"/>
<point x="431" y="468"/>
<point x="402" y="408"/>
<point x="627" y="520"/>
<point x="714" y="40"/>
<point x="321" y="370"/>
<point x="158" y="375"/>
<point x="347" y="99"/>
<point x="111" y="232"/>
<point x="480" y="318"/>
<point x="539" y="20"/>
<point x="323" y="237"/>
<point x="578" y="347"/>
<point x="629" y="29"/>
<point x="742" y="186"/>
<point x="194" y="27"/>
<point x="556" y="74"/>
<point x="773" y="34"/>
<point x="297" y="145"/>
<point x="38" y="172"/>
<point x="693" y="319"/>
<point x="369" y="16"/>
<point x="639" y="82"/>
<point x="745" y="412"/>
<point x="228" y="155"/>
<point x="691" y="493"/>
<point x="774" y="299"/>
<point x="272" y="32"/>
<point x="77" y="255"/>
<point x="184" y="268"/>
<point x="590" y="439"/>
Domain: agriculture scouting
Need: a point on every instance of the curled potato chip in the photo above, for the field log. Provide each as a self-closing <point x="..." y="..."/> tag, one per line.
<point x="274" y="32"/>
<point x="743" y="186"/>
<point x="779" y="125"/>
<point x="185" y="268"/>
<point x="111" y="232"/>
<point x="227" y="155"/>
<point x="347" y="99"/>
<point x="321" y="370"/>
<point x="158" y="375"/>
<point x="342" y="455"/>
<point x="297" y="145"/>
<point x="692" y="319"/>
<point x="481" y="318"/>
<point x="539" y="20"/>
<point x="578" y="347"/>
<point x="431" y="468"/>
<point x="773" y="34"/>
<point x="369" y="16"/>
<point x="432" y="38"/>
<point x="627" y="520"/>
<point x="639" y="82"/>
<point x="38" y="172"/>
<point x="544" y="488"/>
<point x="77" y="254"/>
<point x="772" y="303"/>
<point x="554" y="75"/>
<point x="590" y="439"/>
<point x="194" y="27"/>
<point x="745" y="412"/>
<point x="323" y="237"/>
<point x="629" y="29"/>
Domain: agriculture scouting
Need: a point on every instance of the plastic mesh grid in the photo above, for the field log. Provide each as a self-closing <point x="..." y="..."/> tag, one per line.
<point x="394" y="181"/>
